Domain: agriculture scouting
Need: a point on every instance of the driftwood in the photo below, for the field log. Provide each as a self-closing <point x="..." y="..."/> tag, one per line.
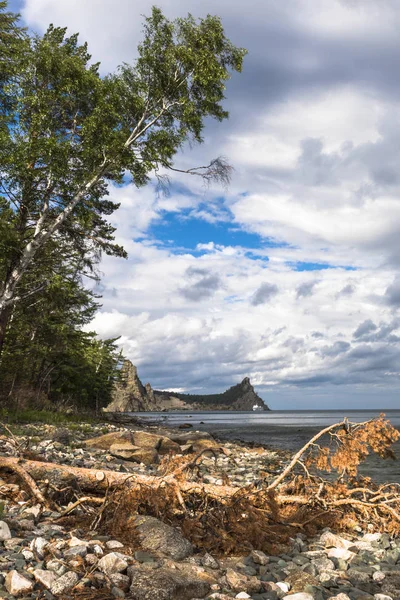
<point x="229" y="516"/>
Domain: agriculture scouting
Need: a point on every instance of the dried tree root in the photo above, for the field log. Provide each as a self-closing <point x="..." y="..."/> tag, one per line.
<point x="15" y="465"/>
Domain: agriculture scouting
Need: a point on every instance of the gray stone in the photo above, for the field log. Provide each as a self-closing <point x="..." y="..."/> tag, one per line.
<point x="164" y="584"/>
<point x="156" y="536"/>
<point x="75" y="551"/>
<point x="112" y="563"/>
<point x="120" y="581"/>
<point x="46" y="578"/>
<point x="259" y="557"/>
<point x="324" y="564"/>
<point x="65" y="583"/>
<point x="113" y="545"/>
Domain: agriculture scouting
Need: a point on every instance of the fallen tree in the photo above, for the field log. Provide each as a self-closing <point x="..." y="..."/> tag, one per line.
<point x="318" y="487"/>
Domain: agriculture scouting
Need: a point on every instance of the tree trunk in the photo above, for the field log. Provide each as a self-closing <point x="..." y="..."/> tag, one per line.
<point x="5" y="315"/>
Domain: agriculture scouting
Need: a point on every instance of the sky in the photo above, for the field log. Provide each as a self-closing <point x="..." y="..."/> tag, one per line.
<point x="291" y="275"/>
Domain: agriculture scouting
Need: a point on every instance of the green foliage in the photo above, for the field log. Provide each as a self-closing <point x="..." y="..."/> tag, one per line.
<point x="226" y="398"/>
<point x="66" y="134"/>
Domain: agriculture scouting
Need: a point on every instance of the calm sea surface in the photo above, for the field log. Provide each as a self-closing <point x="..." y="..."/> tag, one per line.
<point x="288" y="430"/>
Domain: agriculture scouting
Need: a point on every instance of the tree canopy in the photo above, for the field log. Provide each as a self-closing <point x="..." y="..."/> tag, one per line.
<point x="67" y="133"/>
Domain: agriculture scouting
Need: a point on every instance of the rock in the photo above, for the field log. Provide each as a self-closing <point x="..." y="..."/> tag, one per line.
<point x="46" y="578"/>
<point x="113" y="545"/>
<point x="38" y="546"/>
<point x="243" y="595"/>
<point x="185" y="426"/>
<point x="330" y="540"/>
<point x="120" y="581"/>
<point x="165" y="584"/>
<point x="167" y="446"/>
<point x="340" y="553"/>
<point x="239" y="582"/>
<point x="209" y="561"/>
<point x="156" y="536"/>
<point x="76" y="551"/>
<point x="17" y="585"/>
<point x="144" y="439"/>
<point x="358" y="577"/>
<point x="378" y="576"/>
<point x="65" y="583"/>
<point x="62" y="436"/>
<point x="123" y="449"/>
<point x="112" y="563"/>
<point x="298" y="596"/>
<point x="104" y="442"/>
<point x="259" y="557"/>
<point x="382" y="597"/>
<point x="5" y="533"/>
<point x="324" y="564"/>
<point x="340" y="596"/>
<point x="298" y="579"/>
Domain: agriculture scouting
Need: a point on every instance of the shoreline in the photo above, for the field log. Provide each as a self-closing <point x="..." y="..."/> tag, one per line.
<point x="151" y="553"/>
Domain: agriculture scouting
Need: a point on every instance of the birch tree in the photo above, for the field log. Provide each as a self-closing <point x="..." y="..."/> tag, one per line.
<point x="66" y="132"/>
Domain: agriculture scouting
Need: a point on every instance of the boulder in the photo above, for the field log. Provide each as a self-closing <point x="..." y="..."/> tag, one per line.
<point x="165" y="584"/>
<point x="167" y="446"/>
<point x="143" y="439"/>
<point x="157" y="536"/>
<point x="104" y="442"/>
<point x="123" y="449"/>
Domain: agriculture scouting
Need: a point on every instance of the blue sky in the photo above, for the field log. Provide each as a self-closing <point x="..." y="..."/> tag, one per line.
<point x="290" y="275"/>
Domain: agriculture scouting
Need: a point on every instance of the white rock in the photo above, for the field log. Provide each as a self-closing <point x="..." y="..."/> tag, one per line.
<point x="378" y="576"/>
<point x="28" y="555"/>
<point x="33" y="510"/>
<point x="113" y="545"/>
<point x="112" y="563"/>
<point x="98" y="550"/>
<point x="299" y="596"/>
<point x="46" y="578"/>
<point x="74" y="541"/>
<point x="5" y="533"/>
<point x="285" y="587"/>
<point x="65" y="583"/>
<point x="340" y="553"/>
<point x="373" y="537"/>
<point x="38" y="546"/>
<point x="382" y="597"/>
<point x="17" y="585"/>
<point x="330" y="540"/>
<point x="242" y="595"/>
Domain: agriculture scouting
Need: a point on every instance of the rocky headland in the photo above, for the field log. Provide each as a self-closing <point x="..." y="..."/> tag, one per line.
<point x="130" y="395"/>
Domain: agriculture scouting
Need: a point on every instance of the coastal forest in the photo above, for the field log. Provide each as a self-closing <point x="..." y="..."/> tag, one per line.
<point x="67" y="133"/>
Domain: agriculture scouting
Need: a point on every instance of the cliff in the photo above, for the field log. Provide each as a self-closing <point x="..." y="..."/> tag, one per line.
<point x="130" y="395"/>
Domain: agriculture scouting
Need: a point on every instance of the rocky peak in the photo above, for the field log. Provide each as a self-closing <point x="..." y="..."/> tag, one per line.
<point x="130" y="395"/>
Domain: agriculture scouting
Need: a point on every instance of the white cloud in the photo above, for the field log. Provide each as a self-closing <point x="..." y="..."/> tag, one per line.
<point x="314" y="137"/>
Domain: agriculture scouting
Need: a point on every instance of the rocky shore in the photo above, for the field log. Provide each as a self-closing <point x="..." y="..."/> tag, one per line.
<point x="48" y="555"/>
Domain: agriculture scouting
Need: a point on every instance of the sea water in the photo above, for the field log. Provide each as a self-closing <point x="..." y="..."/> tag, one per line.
<point x="288" y="430"/>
